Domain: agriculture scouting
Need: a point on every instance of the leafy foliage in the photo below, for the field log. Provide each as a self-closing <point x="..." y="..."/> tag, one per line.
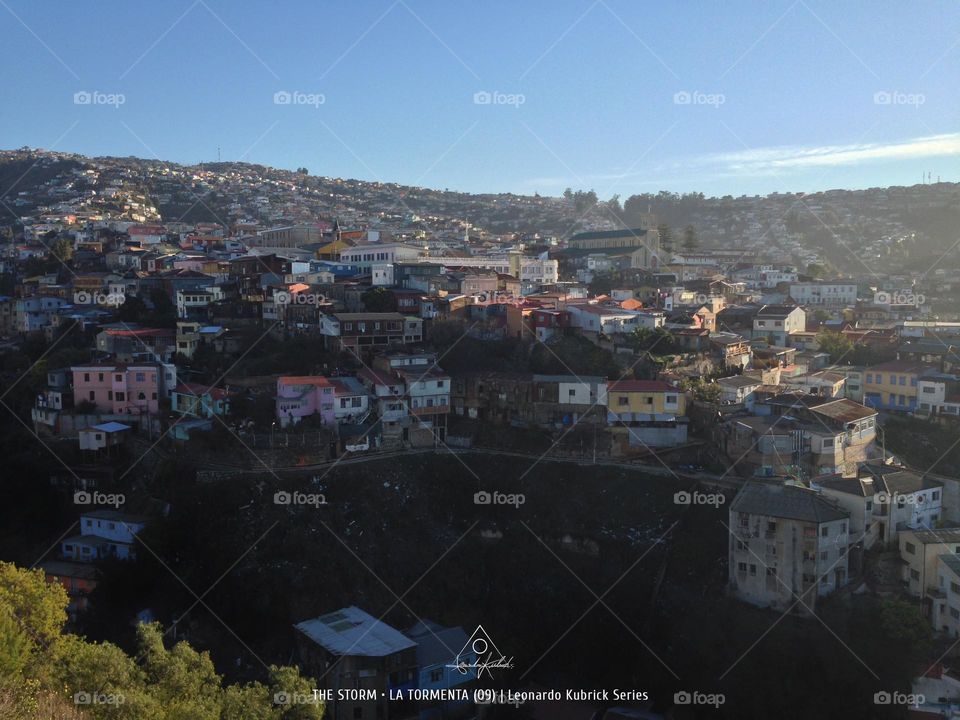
<point x="41" y="667"/>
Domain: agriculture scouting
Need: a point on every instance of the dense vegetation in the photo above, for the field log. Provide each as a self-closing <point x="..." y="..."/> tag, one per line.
<point x="45" y="673"/>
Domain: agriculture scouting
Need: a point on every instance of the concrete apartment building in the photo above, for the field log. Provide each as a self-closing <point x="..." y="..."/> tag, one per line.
<point x="787" y="543"/>
<point x="945" y="611"/>
<point x="920" y="551"/>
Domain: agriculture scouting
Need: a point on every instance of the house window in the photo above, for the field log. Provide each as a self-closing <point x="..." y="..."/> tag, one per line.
<point x="119" y="378"/>
<point x="910" y="548"/>
<point x="436" y="676"/>
<point x="140" y="377"/>
<point x="824" y="531"/>
<point x="954" y="588"/>
<point x="620" y="401"/>
<point x="86" y="377"/>
<point x="648" y="400"/>
<point x="915" y="574"/>
<point x="120" y="396"/>
<point x="753" y="570"/>
<point x="954" y="613"/>
<point x="671" y="399"/>
<point x="93" y="395"/>
<point x="771" y="572"/>
<point x="936" y="495"/>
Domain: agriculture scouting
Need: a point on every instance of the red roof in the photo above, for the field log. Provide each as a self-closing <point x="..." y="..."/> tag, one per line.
<point x="304" y="380"/>
<point x="161" y="332"/>
<point x="146" y="230"/>
<point x="640" y="386"/>
<point x="185" y="388"/>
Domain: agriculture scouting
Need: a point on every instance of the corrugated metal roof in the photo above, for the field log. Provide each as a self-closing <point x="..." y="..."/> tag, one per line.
<point x="351" y="631"/>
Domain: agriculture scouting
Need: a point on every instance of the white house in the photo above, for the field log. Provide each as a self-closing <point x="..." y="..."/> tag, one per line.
<point x="103" y="436"/>
<point x="104" y="533"/>
<point x="833" y="293"/>
<point x="776" y="322"/>
<point x="885" y="500"/>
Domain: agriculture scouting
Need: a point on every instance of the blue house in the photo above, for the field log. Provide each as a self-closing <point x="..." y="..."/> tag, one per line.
<point x="438" y="649"/>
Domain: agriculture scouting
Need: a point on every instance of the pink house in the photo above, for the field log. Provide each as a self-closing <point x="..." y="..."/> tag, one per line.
<point x="132" y="389"/>
<point x="301" y="395"/>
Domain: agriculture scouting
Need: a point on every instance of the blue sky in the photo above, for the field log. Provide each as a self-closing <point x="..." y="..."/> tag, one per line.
<point x="615" y="95"/>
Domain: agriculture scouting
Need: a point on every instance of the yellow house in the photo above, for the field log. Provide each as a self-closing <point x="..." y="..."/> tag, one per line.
<point x="893" y="385"/>
<point x="645" y="396"/>
<point x="331" y="251"/>
<point x="645" y="414"/>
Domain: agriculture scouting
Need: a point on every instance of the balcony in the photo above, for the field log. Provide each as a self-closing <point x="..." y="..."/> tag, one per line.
<point x="430" y="410"/>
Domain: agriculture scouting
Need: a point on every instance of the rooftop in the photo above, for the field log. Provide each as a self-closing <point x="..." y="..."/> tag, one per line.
<point x="351" y="631"/>
<point x="786" y="501"/>
<point x="641" y="386"/>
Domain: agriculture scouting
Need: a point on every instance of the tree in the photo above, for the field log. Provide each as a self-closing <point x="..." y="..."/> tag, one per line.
<point x="132" y="309"/>
<point x="379" y="299"/>
<point x="666" y="237"/>
<point x="164" y="311"/>
<point x="40" y="667"/>
<point x="62" y="249"/>
<point x="614" y="205"/>
<point x="690" y="240"/>
<point x="833" y="343"/>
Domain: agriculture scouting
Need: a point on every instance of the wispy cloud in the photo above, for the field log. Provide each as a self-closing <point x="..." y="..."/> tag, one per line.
<point x="765" y="162"/>
<point x="761" y="161"/>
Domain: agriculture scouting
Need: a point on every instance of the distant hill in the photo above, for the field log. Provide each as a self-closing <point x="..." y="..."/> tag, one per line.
<point x="880" y="228"/>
